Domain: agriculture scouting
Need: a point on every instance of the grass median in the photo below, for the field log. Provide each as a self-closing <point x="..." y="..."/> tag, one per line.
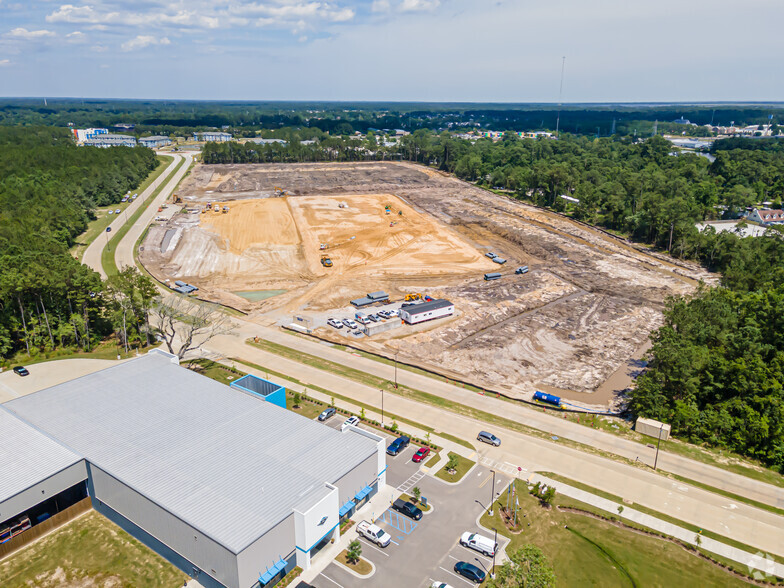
<point x="107" y="255"/>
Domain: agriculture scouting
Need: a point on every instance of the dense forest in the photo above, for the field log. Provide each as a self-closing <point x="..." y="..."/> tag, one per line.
<point x="48" y="190"/>
<point x="183" y="117"/>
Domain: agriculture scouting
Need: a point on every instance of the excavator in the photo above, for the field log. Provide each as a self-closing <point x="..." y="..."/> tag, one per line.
<point x="326" y="261"/>
<point x="412" y="297"/>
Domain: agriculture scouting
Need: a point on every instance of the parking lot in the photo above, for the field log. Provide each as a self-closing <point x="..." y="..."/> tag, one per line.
<point x="427" y="550"/>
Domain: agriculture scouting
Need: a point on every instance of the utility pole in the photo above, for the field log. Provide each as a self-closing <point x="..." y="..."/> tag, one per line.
<point x="560" y="94"/>
<point x="656" y="461"/>
<point x="395" y="370"/>
<point x="495" y="542"/>
<point x="382" y="406"/>
<point x="672" y="226"/>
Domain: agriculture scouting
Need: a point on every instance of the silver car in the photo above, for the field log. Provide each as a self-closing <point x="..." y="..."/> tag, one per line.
<point x="486" y="437"/>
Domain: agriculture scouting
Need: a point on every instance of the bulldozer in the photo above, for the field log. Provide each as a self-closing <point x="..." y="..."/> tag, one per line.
<point x="415" y="296"/>
<point x="326" y="261"/>
<point x="176" y="199"/>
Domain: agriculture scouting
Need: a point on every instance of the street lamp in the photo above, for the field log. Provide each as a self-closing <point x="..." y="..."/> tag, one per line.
<point x="492" y="494"/>
<point x="382" y="406"/>
<point x="395" y="370"/>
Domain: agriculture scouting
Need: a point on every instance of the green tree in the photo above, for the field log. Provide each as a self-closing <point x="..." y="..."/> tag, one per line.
<point x="526" y="567"/>
<point x="354" y="551"/>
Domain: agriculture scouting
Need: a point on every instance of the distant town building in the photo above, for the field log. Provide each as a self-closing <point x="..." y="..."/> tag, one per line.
<point x="109" y="140"/>
<point x="155" y="142"/>
<point x="682" y="121"/>
<point x="214" y="136"/>
<point x="124" y="126"/>
<point x="260" y="141"/>
<point x="82" y="135"/>
<point x="767" y="216"/>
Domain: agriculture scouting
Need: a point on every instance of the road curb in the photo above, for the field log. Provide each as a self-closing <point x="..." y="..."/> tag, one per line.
<point x="353" y="573"/>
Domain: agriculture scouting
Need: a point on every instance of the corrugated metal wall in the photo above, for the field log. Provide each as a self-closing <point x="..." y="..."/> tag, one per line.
<point x="361" y="476"/>
<point x="62" y="480"/>
<point x="278" y="543"/>
<point x="193" y="545"/>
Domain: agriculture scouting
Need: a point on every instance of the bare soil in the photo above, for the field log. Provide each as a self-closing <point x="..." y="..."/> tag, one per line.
<point x="577" y="324"/>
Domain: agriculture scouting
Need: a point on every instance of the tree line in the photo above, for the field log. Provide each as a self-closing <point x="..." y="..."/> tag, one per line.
<point x="49" y="188"/>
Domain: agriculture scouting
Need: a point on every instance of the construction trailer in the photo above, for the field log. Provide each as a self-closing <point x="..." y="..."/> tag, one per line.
<point x="652" y="428"/>
<point x="427" y="311"/>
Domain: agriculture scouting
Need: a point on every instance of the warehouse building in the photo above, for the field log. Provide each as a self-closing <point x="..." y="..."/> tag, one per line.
<point x="233" y="490"/>
<point x="215" y="136"/>
<point x="155" y="142"/>
<point x="427" y="311"/>
<point x="110" y="140"/>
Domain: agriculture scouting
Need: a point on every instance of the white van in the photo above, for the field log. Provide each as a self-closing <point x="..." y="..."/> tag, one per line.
<point x="478" y="542"/>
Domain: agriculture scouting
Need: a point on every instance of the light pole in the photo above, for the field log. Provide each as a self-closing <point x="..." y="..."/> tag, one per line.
<point x="395" y="370"/>
<point x="382" y="406"/>
<point x="656" y="460"/>
<point x="492" y="494"/>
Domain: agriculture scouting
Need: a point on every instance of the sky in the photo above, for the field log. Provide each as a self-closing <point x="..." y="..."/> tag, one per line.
<point x="394" y="50"/>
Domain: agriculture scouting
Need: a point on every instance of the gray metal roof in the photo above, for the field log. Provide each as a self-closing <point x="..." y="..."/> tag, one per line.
<point x="428" y="306"/>
<point x="225" y="462"/>
<point x="27" y="456"/>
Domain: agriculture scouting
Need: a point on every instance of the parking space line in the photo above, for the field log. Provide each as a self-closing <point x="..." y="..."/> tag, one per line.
<point x="478" y="555"/>
<point x="331" y="580"/>
<point x="453" y="574"/>
<point x="369" y="544"/>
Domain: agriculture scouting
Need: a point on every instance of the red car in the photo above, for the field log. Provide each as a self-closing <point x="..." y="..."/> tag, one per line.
<point x="421" y="454"/>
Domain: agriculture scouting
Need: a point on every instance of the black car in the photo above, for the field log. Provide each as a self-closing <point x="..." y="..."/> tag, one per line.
<point x="398" y="445"/>
<point x="469" y="571"/>
<point x="408" y="509"/>
<point x="22" y="371"/>
<point x="326" y="413"/>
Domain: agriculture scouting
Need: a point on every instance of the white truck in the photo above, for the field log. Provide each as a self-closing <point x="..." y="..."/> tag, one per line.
<point x="483" y="545"/>
<point x="374" y="533"/>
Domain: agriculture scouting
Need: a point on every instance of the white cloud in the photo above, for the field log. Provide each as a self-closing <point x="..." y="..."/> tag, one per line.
<point x="380" y="6"/>
<point x="76" y="37"/>
<point x="22" y="33"/>
<point x="419" y="5"/>
<point x="142" y="41"/>
<point x="4" y="62"/>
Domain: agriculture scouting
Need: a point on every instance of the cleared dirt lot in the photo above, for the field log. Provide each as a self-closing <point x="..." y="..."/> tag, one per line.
<point x="585" y="308"/>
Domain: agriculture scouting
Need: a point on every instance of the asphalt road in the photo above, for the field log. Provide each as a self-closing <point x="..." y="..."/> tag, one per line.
<point x="92" y="255"/>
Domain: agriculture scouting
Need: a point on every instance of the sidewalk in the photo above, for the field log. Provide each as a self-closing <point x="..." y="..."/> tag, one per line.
<point x="765" y="567"/>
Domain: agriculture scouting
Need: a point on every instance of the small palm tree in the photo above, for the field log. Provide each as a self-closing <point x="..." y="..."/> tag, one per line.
<point x="417" y="493"/>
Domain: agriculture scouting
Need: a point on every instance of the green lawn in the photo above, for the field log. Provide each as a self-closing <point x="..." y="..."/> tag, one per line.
<point x="463" y="465"/>
<point x="87" y="552"/>
<point x="214" y="370"/>
<point x="588" y="552"/>
<point x="433" y="460"/>
<point x="105" y="350"/>
<point x="103" y="219"/>
<point x="107" y="255"/>
<point x="657" y="514"/>
<point x="307" y="408"/>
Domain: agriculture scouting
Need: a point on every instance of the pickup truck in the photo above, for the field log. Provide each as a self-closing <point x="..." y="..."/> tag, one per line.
<point x="407" y="508"/>
<point x="374" y="533"/>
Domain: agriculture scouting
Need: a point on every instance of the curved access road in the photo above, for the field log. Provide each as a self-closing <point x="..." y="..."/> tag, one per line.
<point x="92" y="255"/>
<point x="123" y="254"/>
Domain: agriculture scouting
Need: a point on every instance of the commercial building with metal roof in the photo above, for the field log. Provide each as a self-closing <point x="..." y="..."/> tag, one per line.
<point x="234" y="490"/>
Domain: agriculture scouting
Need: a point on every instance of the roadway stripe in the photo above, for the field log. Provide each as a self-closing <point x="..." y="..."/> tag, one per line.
<point x="485" y="481"/>
<point x="331" y="580"/>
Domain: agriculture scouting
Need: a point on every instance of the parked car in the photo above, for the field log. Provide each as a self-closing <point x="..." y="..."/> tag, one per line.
<point x="333" y="323"/>
<point x="440" y="585"/>
<point x="21" y="370"/>
<point x="350" y="324"/>
<point x="116" y="211"/>
<point x="357" y="333"/>
<point x="373" y="317"/>
<point x="480" y="543"/>
<point x="111" y="212"/>
<point x="394" y="312"/>
<point x="486" y="437"/>
<point x="350" y="421"/>
<point x="374" y="533"/>
<point x="398" y="445"/>
<point x="327" y="413"/>
<point x="407" y="508"/>
<point x="421" y="454"/>
<point x="470" y="571"/>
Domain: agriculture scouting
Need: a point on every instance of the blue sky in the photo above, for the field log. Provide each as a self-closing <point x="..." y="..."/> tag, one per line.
<point x="430" y="50"/>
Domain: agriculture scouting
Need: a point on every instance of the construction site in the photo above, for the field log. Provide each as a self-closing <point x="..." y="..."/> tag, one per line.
<point x="302" y="240"/>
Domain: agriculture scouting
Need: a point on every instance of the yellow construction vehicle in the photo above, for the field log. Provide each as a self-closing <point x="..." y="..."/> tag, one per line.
<point x="326" y="261"/>
<point x="415" y="296"/>
<point x="176" y="199"/>
<point x="225" y="209"/>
